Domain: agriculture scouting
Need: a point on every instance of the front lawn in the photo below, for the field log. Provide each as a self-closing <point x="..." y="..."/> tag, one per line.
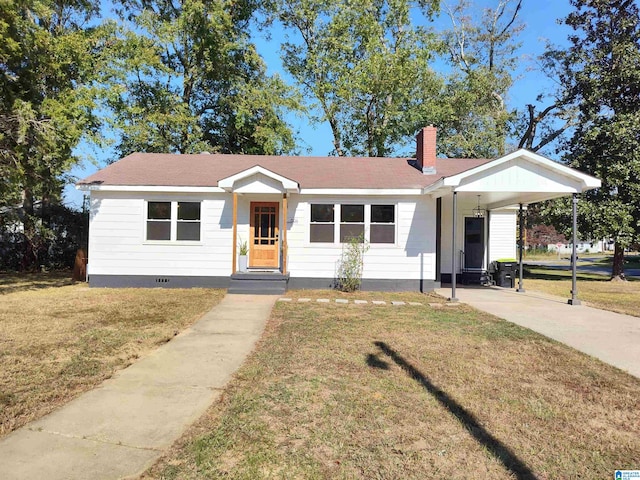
<point x="401" y="392"/>
<point x="597" y="290"/>
<point x="631" y="260"/>
<point x="58" y="340"/>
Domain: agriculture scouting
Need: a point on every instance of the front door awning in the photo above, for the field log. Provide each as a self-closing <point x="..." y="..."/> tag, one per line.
<point x="258" y="179"/>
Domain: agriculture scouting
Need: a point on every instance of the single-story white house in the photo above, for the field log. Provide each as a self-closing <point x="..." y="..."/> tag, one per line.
<point x="177" y="220"/>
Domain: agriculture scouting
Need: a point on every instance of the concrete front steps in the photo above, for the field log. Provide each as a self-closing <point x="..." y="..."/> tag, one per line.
<point x="258" y="283"/>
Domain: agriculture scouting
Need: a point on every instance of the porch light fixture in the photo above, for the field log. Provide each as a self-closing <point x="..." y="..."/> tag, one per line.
<point x="478" y="212"/>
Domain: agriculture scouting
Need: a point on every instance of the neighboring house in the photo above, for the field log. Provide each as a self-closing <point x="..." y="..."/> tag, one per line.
<point x="582" y="246"/>
<point x="175" y="220"/>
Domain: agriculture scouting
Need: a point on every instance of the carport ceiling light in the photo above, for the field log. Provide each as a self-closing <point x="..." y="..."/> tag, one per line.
<point x="478" y="212"/>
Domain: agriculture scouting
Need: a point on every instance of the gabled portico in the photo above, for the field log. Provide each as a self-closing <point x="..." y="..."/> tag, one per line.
<point x="260" y="211"/>
<point x="469" y="199"/>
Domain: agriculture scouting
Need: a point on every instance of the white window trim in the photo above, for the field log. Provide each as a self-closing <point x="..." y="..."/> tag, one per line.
<point x="395" y="225"/>
<point x="174" y="223"/>
<point x="337" y="212"/>
<point x="364" y="223"/>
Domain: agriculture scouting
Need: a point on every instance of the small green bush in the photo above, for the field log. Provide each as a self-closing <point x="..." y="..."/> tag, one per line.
<point x="349" y="271"/>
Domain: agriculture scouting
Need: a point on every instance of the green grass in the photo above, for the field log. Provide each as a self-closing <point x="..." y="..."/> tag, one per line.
<point x="411" y="392"/>
<point x="597" y="290"/>
<point x="630" y="261"/>
<point x="58" y="340"/>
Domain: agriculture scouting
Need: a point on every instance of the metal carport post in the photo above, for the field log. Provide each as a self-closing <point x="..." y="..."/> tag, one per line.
<point x="520" y="250"/>
<point x="574" y="286"/>
<point x="453" y="249"/>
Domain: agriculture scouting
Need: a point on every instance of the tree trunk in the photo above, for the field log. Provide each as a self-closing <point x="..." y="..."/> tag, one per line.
<point x="617" y="271"/>
<point x="29" y="258"/>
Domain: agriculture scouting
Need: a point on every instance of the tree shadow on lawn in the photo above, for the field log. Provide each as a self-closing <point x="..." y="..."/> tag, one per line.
<point x="499" y="450"/>
<point x="630" y="261"/>
<point x="557" y="275"/>
<point x="22" y="282"/>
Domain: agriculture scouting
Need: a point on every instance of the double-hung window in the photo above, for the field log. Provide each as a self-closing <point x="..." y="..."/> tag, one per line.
<point x="383" y="224"/>
<point x="375" y="224"/>
<point x="159" y="221"/>
<point x="188" y="225"/>
<point x="173" y="221"/>
<point x="351" y="222"/>
<point x="322" y="223"/>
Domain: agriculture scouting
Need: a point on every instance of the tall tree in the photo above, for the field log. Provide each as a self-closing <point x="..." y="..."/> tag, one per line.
<point x="482" y="49"/>
<point x="191" y="80"/>
<point x="544" y="123"/>
<point x="602" y="70"/>
<point x="49" y="54"/>
<point x="367" y="67"/>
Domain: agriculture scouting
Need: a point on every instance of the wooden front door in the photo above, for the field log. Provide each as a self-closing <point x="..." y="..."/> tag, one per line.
<point x="264" y="244"/>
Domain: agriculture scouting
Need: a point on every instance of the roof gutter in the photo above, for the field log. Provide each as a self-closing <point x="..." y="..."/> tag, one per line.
<point x="146" y="188"/>
<point x="435" y="187"/>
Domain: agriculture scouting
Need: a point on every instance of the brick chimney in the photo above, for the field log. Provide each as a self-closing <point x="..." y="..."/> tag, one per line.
<point x="426" y="150"/>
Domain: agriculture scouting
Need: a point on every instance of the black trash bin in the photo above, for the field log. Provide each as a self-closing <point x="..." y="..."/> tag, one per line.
<point x="505" y="279"/>
<point x="505" y="273"/>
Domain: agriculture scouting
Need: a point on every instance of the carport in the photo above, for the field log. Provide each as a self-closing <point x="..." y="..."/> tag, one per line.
<point x="513" y="181"/>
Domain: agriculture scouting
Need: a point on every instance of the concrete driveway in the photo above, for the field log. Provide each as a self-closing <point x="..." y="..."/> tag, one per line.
<point x="608" y="336"/>
<point x="120" y="428"/>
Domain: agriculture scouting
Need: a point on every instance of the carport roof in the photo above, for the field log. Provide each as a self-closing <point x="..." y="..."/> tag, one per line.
<point x="519" y="177"/>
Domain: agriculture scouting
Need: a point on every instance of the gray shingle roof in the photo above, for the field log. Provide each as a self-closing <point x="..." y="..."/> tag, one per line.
<point x="205" y="170"/>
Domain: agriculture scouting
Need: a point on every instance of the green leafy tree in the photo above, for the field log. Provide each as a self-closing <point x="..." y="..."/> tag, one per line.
<point x="601" y="70"/>
<point x="186" y="78"/>
<point x="366" y="66"/>
<point x="482" y="50"/>
<point x="49" y="55"/>
<point x="543" y="124"/>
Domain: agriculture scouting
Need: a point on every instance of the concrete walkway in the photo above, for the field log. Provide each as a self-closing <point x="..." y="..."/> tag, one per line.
<point x="608" y="336"/>
<point x="120" y="428"/>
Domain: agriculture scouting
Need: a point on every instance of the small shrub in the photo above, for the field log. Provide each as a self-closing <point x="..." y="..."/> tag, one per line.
<point x="349" y="271"/>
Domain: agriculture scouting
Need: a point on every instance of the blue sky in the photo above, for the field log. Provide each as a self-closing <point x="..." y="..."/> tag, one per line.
<point x="539" y="17"/>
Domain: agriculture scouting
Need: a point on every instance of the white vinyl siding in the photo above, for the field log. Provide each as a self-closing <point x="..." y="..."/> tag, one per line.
<point x="411" y="257"/>
<point x="118" y="245"/>
<point x="502" y="232"/>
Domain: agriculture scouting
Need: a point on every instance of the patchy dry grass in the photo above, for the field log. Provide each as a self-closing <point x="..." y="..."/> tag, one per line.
<point x="22" y="282"/>
<point x="388" y="392"/>
<point x="369" y="296"/>
<point x="58" y="340"/>
<point x="597" y="290"/>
